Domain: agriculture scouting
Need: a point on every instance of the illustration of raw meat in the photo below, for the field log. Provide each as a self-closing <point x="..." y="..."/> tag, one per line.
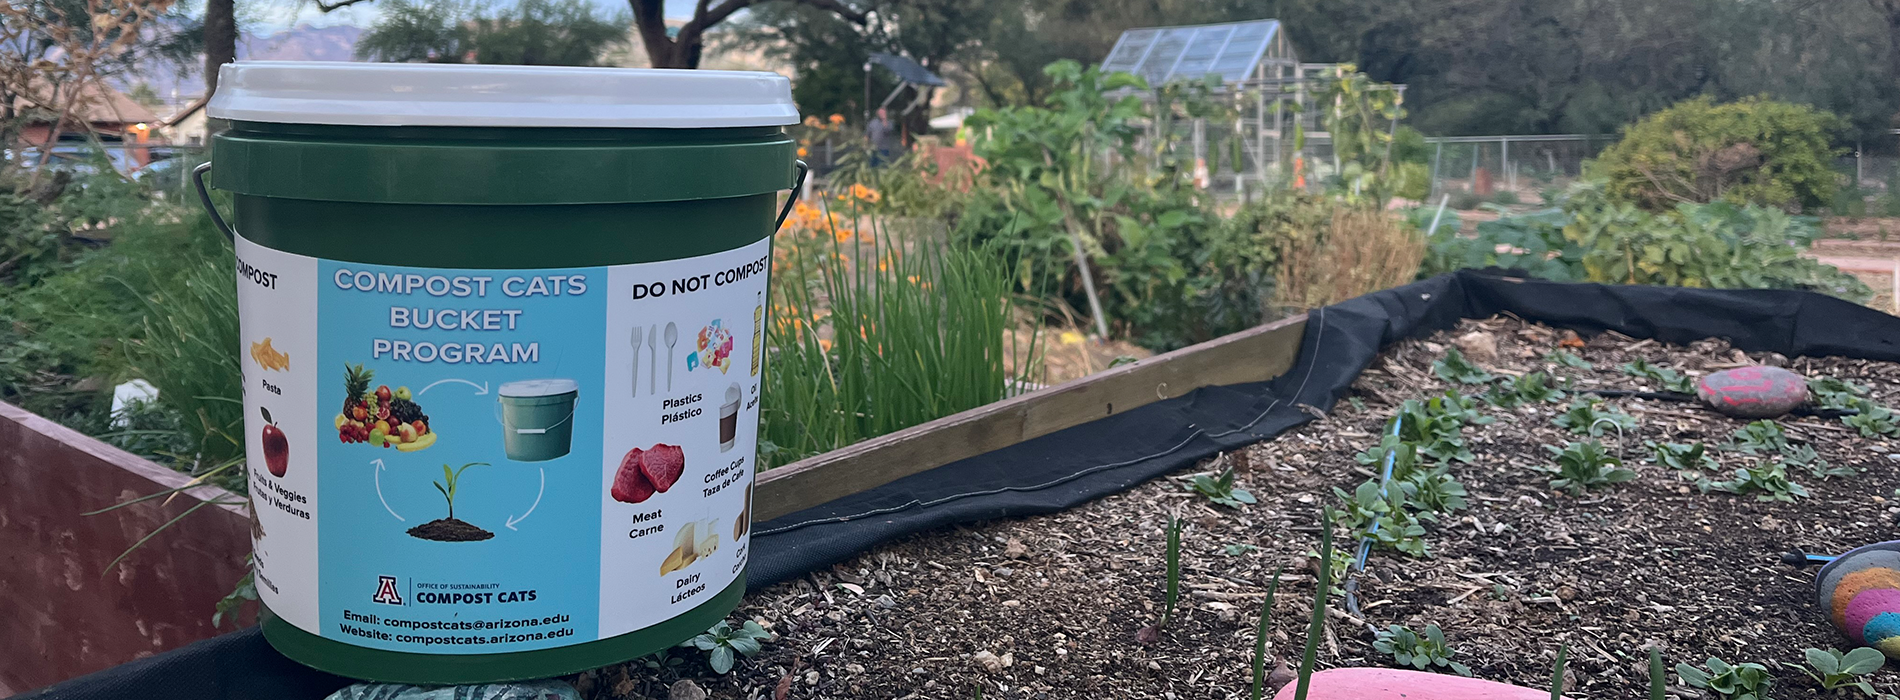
<point x="663" y="465"/>
<point x="630" y="482"/>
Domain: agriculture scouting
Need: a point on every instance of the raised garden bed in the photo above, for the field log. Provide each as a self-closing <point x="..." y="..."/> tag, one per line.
<point x="1052" y="604"/>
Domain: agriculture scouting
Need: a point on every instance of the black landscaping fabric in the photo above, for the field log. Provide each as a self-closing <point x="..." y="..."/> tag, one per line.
<point x="1071" y="467"/>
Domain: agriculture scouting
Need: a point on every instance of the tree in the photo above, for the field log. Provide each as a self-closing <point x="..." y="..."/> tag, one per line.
<point x="683" y="49"/>
<point x="221" y="36"/>
<point x="534" y="32"/>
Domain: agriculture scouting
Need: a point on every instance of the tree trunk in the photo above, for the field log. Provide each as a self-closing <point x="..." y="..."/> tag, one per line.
<point x="649" y="16"/>
<point x="220" y="39"/>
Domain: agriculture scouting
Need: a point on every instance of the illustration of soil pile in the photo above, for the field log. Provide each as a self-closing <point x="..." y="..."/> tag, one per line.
<point x="451" y="529"/>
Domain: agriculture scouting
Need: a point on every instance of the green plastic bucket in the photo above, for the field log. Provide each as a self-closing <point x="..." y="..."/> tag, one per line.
<point x="426" y="250"/>
<point x="537" y="418"/>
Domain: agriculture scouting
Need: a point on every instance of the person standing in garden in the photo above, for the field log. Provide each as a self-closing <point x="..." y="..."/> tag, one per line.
<point x="885" y="141"/>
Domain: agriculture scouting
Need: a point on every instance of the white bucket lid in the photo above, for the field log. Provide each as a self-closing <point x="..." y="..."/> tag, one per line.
<point x="422" y="94"/>
<point x="529" y="388"/>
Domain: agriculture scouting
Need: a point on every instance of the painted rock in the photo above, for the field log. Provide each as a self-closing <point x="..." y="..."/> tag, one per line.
<point x="1753" y="392"/>
<point x="1393" y="684"/>
<point x="1860" y="592"/>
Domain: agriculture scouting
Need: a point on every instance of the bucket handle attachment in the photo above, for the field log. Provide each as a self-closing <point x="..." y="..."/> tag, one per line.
<point x="790" y="201"/>
<point x="530" y="431"/>
<point x="204" y="197"/>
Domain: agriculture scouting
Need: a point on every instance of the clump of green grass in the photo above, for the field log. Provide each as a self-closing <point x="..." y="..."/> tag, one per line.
<point x="871" y="335"/>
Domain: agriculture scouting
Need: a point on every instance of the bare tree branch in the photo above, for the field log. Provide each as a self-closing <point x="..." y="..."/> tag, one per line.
<point x="339" y="4"/>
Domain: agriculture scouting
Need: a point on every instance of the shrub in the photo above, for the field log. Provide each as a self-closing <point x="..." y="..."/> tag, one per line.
<point x="1358" y="250"/>
<point x="1754" y="150"/>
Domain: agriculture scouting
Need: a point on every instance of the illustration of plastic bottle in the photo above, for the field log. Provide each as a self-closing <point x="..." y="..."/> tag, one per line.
<point x="758" y="332"/>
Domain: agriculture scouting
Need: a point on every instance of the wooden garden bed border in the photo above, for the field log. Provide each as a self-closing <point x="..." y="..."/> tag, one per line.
<point x="1252" y="355"/>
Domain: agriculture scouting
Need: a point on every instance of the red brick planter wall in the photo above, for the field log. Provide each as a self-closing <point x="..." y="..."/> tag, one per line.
<point x="59" y="616"/>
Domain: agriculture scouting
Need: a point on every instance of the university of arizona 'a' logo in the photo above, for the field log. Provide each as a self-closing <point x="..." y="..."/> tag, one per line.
<point x="386" y="591"/>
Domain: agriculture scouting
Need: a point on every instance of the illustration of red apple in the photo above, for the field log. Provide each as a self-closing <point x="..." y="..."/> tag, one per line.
<point x="276" y="446"/>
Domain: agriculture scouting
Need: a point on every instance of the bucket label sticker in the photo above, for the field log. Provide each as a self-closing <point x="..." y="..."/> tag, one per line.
<point x="462" y="461"/>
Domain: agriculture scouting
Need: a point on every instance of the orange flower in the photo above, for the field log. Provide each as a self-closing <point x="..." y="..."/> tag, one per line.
<point x="812" y="121"/>
<point x="801" y="151"/>
<point x="837" y="119"/>
<point x="824" y="344"/>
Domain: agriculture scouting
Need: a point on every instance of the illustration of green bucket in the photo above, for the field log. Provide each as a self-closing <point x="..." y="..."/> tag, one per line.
<point x="537" y="418"/>
<point x="498" y="172"/>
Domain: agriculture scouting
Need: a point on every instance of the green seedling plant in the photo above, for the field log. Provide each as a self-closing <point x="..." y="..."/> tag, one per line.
<point x="1316" y="625"/>
<point x="724" y="643"/>
<point x="1436" y="434"/>
<point x="451" y="481"/>
<point x="1557" y="673"/>
<point x="1746" y="681"/>
<point x="1836" y="394"/>
<point x="1534" y="388"/>
<point x="1342" y="564"/>
<point x="1658" y="681"/>
<point x="1425" y="652"/>
<point x="1566" y="358"/>
<point x="1171" y="593"/>
<point x="1689" y="460"/>
<point x="1221" y="489"/>
<point x="1582" y="466"/>
<point x="1398" y="529"/>
<point x="1833" y="669"/>
<point x="1259" y="687"/>
<point x="1234" y="549"/>
<point x="1456" y="405"/>
<point x="1768" y="481"/>
<point x="1804" y="456"/>
<point x="1761" y="436"/>
<point x="1666" y="379"/>
<point x="1404" y="459"/>
<point x="1434" y="490"/>
<point x="1583" y="418"/>
<point x="1454" y="368"/>
<point x="1873" y="421"/>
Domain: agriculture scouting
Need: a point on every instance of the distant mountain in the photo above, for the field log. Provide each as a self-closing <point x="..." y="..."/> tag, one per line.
<point x="303" y="43"/>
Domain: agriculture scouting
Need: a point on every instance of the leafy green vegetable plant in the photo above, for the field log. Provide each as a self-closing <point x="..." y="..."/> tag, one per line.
<point x="1533" y="388"/>
<point x="1454" y="368"/>
<point x="1768" y="481"/>
<point x="1690" y="460"/>
<point x="1666" y="379"/>
<point x="1566" y="358"/>
<point x="1399" y="528"/>
<point x="1746" y="681"/>
<point x="1833" y="669"/>
<point x="1586" y="465"/>
<point x="1434" y="490"/>
<point x="1873" y="421"/>
<point x="1834" y="393"/>
<point x="1436" y="433"/>
<point x="1583" y="418"/>
<point x="1805" y="456"/>
<point x="1425" y="652"/>
<point x="723" y="642"/>
<point x="1761" y="436"/>
<point x="1221" y="489"/>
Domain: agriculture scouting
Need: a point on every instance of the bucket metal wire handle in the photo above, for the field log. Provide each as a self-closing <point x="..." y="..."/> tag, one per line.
<point x="204" y="197"/>
<point x="529" y="431"/>
<point x="797" y="185"/>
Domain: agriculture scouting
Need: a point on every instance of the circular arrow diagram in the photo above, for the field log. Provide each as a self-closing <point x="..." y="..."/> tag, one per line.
<point x="379" y="488"/>
<point x="537" y="501"/>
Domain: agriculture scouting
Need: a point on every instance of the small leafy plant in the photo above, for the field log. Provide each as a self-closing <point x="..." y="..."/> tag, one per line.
<point x="1873" y="421"/>
<point x="1690" y="460"/>
<point x="1398" y="528"/>
<point x="1566" y="358"/>
<point x="1221" y="489"/>
<point x="1836" y="394"/>
<point x="1666" y="379"/>
<point x="1459" y="406"/>
<point x="1761" y="436"/>
<point x="1805" y="456"/>
<point x="1768" y="481"/>
<point x="1533" y="388"/>
<point x="1426" y="652"/>
<point x="1454" y="368"/>
<point x="1434" y="490"/>
<point x="723" y="643"/>
<point x="1833" y="669"/>
<point x="1404" y="456"/>
<point x="1235" y="549"/>
<point x="451" y="479"/>
<point x="1582" y="466"/>
<point x="1746" y="681"/>
<point x="1172" y="592"/>
<point x="1583" y="418"/>
<point x="1436" y="433"/>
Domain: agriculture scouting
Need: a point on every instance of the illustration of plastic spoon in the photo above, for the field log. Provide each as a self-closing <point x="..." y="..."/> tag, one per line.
<point x="672" y="338"/>
<point x="636" y="360"/>
<point x="653" y="350"/>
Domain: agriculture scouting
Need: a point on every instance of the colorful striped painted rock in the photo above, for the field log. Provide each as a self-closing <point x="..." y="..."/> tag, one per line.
<point x="1753" y="392"/>
<point x="1393" y="684"/>
<point x="1860" y="592"/>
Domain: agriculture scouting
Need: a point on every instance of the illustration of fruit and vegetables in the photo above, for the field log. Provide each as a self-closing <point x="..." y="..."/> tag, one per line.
<point x="276" y="446"/>
<point x="693" y="542"/>
<point x="645" y="472"/>
<point x="713" y="348"/>
<point x="383" y="418"/>
<point x="268" y="357"/>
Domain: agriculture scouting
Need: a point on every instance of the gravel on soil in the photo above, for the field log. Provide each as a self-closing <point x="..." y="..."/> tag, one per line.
<point x="1049" y="606"/>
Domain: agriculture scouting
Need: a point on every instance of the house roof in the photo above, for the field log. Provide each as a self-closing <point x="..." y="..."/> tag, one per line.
<point x="96" y="104"/>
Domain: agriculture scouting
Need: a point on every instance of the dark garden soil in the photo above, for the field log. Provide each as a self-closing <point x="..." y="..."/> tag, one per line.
<point x="449" y="530"/>
<point x="1049" y="607"/>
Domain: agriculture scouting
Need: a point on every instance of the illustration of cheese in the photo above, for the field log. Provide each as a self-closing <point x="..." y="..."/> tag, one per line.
<point x="688" y="548"/>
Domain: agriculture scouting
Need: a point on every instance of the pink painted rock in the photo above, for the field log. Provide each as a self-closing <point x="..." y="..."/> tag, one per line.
<point x="1753" y="392"/>
<point x="1393" y="684"/>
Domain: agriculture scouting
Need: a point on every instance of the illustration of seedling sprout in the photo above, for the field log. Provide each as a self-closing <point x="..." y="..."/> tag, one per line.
<point x="450" y="529"/>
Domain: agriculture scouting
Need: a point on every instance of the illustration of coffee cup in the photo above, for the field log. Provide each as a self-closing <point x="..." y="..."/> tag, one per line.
<point x="729" y="418"/>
